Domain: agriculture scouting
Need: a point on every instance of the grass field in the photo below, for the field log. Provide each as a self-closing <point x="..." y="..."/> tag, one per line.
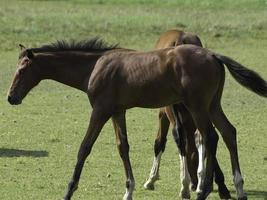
<point x="40" y="138"/>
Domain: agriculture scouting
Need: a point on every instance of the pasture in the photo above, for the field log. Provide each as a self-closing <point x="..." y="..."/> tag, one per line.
<point x="39" y="139"/>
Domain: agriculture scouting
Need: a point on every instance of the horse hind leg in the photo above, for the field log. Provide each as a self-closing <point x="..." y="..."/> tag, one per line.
<point x="228" y="133"/>
<point x="206" y="129"/>
<point x="201" y="163"/>
<point x="219" y="179"/>
<point x="192" y="159"/>
<point x="179" y="138"/>
<point x="159" y="147"/>
<point x="189" y="129"/>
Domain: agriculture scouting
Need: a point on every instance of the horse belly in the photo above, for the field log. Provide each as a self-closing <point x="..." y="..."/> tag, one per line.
<point x="148" y="96"/>
<point x="157" y="100"/>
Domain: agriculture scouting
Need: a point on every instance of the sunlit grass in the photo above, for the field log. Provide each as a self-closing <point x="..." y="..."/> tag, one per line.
<point x="53" y="118"/>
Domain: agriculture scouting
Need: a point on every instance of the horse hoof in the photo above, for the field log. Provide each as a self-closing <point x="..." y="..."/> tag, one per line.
<point x="193" y="187"/>
<point x="127" y="198"/>
<point x="204" y="194"/>
<point x="200" y="197"/>
<point x="185" y="195"/>
<point x="224" y="192"/>
<point x="242" y="198"/>
<point x="226" y="197"/>
<point x="149" y="186"/>
<point x="66" y="198"/>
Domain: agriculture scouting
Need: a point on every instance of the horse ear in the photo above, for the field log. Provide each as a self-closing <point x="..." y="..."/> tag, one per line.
<point x="29" y="54"/>
<point x="22" y="47"/>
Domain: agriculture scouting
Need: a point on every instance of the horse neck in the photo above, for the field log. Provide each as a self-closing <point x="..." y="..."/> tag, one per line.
<point x="70" y="68"/>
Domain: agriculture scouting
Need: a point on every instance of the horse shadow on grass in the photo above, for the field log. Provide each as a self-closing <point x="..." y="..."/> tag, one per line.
<point x="251" y="194"/>
<point x="5" y="152"/>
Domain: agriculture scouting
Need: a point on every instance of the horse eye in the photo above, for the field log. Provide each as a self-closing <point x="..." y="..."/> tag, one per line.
<point x="21" y="70"/>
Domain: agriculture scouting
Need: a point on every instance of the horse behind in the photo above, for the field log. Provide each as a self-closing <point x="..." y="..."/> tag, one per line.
<point x="119" y="79"/>
<point x="190" y="168"/>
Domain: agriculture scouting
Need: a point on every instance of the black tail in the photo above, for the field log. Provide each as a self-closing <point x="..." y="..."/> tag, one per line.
<point x="244" y="76"/>
<point x="178" y="131"/>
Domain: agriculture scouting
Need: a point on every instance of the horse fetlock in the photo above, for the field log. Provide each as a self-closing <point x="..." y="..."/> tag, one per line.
<point x="127" y="197"/>
<point x="203" y="195"/>
<point x="193" y="187"/>
<point x="185" y="194"/>
<point x="71" y="189"/>
<point x="200" y="184"/>
<point x="154" y="173"/>
<point x="130" y="184"/>
<point x="242" y="198"/>
<point x="149" y="185"/>
<point x="239" y="182"/>
<point x="206" y="190"/>
<point x="224" y="192"/>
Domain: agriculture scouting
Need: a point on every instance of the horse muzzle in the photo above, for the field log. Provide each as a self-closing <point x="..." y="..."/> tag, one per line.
<point x="14" y="100"/>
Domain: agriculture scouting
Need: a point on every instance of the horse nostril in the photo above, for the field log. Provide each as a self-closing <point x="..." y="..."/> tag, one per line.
<point x="9" y="98"/>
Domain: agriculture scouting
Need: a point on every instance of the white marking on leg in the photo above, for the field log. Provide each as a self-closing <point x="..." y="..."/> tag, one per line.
<point x="201" y="170"/>
<point x="129" y="190"/>
<point x="239" y="182"/>
<point x="154" y="173"/>
<point x="185" y="178"/>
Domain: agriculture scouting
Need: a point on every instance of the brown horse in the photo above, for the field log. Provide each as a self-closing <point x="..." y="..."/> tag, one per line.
<point x="189" y="163"/>
<point x="119" y="79"/>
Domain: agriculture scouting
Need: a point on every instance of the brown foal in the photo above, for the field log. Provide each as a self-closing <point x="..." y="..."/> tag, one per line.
<point x="187" y="131"/>
<point x="118" y="79"/>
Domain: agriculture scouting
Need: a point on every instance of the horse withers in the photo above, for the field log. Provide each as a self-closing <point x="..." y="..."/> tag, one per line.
<point x="190" y="169"/>
<point x="119" y="79"/>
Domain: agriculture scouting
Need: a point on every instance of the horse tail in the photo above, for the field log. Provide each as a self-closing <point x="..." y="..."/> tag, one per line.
<point x="246" y="77"/>
<point x="178" y="132"/>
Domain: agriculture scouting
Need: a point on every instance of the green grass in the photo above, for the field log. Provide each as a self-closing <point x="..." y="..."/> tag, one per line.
<point x="52" y="120"/>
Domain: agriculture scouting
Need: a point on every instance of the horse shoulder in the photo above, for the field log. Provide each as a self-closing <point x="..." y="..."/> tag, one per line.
<point x="103" y="71"/>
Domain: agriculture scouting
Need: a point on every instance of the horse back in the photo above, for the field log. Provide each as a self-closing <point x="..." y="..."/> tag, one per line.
<point x="176" y="37"/>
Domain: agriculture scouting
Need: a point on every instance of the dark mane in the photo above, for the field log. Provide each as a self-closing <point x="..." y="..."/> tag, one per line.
<point x="94" y="44"/>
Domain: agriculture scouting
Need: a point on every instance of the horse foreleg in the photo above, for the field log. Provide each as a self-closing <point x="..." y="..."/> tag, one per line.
<point x="159" y="148"/>
<point x="97" y="121"/>
<point x="119" y="124"/>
